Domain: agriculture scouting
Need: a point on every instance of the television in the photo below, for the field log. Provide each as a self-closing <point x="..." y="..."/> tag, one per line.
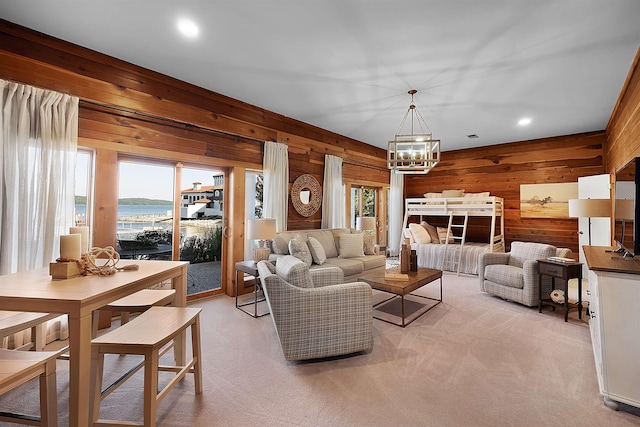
<point x="626" y="210"/>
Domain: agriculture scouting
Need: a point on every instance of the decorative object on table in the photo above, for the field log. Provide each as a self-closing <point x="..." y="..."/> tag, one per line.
<point x="589" y="208"/>
<point x="557" y="295"/>
<point x="306" y="195"/>
<point x="404" y="259"/>
<point x="413" y="260"/>
<point x="261" y="229"/>
<point x="413" y="153"/>
<point x="66" y="266"/>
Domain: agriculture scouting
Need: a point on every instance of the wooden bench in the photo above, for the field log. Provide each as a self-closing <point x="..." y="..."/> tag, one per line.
<point x="12" y="322"/>
<point x="137" y="302"/>
<point x="16" y="368"/>
<point x="147" y="335"/>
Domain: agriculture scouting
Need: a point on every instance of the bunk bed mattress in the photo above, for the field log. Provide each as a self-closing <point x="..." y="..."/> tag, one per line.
<point x="431" y="256"/>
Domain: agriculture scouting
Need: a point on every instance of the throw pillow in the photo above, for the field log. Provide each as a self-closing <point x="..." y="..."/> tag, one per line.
<point x="294" y="271"/>
<point x="351" y="245"/>
<point x="420" y="234"/>
<point x="280" y="244"/>
<point x="369" y="245"/>
<point x="442" y="234"/>
<point x="368" y="241"/>
<point x="299" y="249"/>
<point x="433" y="232"/>
<point x="317" y="250"/>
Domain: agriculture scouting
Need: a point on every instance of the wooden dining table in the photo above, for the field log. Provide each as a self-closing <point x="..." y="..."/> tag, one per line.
<point x="36" y="291"/>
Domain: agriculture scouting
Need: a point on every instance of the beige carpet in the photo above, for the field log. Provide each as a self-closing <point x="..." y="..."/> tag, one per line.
<point x="473" y="360"/>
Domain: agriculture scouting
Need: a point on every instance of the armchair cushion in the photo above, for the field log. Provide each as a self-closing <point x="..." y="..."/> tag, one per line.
<point x="508" y="275"/>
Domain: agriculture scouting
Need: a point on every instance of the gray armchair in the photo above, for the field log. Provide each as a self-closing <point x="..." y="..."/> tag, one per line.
<point x="314" y="321"/>
<point x="514" y="275"/>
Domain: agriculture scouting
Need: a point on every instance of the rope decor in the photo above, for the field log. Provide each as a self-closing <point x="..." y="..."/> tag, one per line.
<point x="87" y="264"/>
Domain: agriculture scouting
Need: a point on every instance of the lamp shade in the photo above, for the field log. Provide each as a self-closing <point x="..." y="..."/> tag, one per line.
<point x="261" y="229"/>
<point x="365" y="223"/>
<point x="589" y="208"/>
<point x="625" y="209"/>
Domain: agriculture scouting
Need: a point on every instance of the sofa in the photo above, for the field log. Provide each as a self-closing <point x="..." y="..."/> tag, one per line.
<point x="313" y="317"/>
<point x="350" y="250"/>
<point x="514" y="275"/>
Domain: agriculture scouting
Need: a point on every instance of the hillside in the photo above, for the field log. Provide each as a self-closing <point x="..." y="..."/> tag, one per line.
<point x="133" y="201"/>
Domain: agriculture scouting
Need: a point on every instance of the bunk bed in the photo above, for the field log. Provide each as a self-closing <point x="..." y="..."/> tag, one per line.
<point x="452" y="252"/>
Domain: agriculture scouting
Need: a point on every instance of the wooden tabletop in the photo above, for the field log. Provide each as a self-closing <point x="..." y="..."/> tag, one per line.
<point x="417" y="279"/>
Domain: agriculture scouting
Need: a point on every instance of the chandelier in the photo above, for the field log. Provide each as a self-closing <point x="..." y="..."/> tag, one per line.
<point x="413" y="153"/>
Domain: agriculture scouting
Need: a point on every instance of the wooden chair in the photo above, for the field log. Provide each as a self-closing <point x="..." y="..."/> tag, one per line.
<point x="147" y="335"/>
<point x="135" y="303"/>
<point x="12" y="322"/>
<point x="18" y="367"/>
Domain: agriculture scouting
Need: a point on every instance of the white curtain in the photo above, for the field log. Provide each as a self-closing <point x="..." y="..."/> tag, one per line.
<point x="37" y="172"/>
<point x="275" y="167"/>
<point x="396" y="211"/>
<point x="333" y="209"/>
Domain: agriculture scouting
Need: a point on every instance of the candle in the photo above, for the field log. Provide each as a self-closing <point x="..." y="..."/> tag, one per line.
<point x="84" y="232"/>
<point x="70" y="246"/>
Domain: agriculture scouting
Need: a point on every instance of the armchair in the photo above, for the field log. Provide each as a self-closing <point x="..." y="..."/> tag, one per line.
<point x="316" y="321"/>
<point x="514" y="275"/>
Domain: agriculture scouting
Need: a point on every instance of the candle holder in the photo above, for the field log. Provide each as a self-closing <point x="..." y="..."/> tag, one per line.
<point x="64" y="269"/>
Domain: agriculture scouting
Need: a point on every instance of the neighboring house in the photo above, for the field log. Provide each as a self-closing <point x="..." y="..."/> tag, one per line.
<point x="202" y="200"/>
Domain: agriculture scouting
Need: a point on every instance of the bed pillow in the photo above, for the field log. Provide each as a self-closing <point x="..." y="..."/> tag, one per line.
<point x="299" y="249"/>
<point x="453" y="193"/>
<point x="420" y="234"/>
<point x="442" y="234"/>
<point x="433" y="232"/>
<point x="351" y="245"/>
<point x="317" y="250"/>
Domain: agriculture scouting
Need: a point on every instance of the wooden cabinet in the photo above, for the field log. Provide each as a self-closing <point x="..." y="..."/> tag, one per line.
<point x="614" y="285"/>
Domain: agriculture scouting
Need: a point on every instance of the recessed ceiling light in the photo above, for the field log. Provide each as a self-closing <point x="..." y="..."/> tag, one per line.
<point x="524" y="122"/>
<point x="188" y="28"/>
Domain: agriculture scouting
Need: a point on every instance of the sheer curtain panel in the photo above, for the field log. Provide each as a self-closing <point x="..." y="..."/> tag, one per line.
<point x="275" y="167"/>
<point x="333" y="208"/>
<point x="396" y="211"/>
<point x="37" y="170"/>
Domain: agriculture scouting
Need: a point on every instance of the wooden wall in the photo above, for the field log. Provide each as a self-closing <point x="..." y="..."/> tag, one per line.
<point x="126" y="110"/>
<point x="623" y="129"/>
<point x="501" y="169"/>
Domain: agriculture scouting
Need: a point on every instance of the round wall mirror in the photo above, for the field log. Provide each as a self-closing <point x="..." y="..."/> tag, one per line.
<point x="306" y="195"/>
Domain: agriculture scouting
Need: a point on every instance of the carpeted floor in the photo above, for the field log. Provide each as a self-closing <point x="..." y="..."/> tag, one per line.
<point x="473" y="360"/>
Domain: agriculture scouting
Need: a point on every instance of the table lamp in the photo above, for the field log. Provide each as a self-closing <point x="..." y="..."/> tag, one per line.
<point x="590" y="208"/>
<point x="261" y="230"/>
<point x="366" y="223"/>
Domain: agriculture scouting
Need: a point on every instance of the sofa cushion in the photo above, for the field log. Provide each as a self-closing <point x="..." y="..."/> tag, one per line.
<point x="294" y="271"/>
<point x="369" y="262"/>
<point x="317" y="250"/>
<point x="325" y="238"/>
<point x="349" y="266"/>
<point x="420" y="234"/>
<point x="506" y="275"/>
<point x="299" y="249"/>
<point x="351" y="245"/>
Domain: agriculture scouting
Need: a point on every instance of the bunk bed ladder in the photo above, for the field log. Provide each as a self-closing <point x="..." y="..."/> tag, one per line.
<point x="459" y="238"/>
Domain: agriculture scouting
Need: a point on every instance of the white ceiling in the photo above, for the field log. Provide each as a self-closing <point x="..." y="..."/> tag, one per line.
<point x="346" y="65"/>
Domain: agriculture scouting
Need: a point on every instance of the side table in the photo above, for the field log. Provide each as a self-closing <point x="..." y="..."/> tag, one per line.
<point x="564" y="271"/>
<point x="250" y="268"/>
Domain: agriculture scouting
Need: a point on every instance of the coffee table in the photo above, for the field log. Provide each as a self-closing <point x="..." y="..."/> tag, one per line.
<point x="401" y="288"/>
